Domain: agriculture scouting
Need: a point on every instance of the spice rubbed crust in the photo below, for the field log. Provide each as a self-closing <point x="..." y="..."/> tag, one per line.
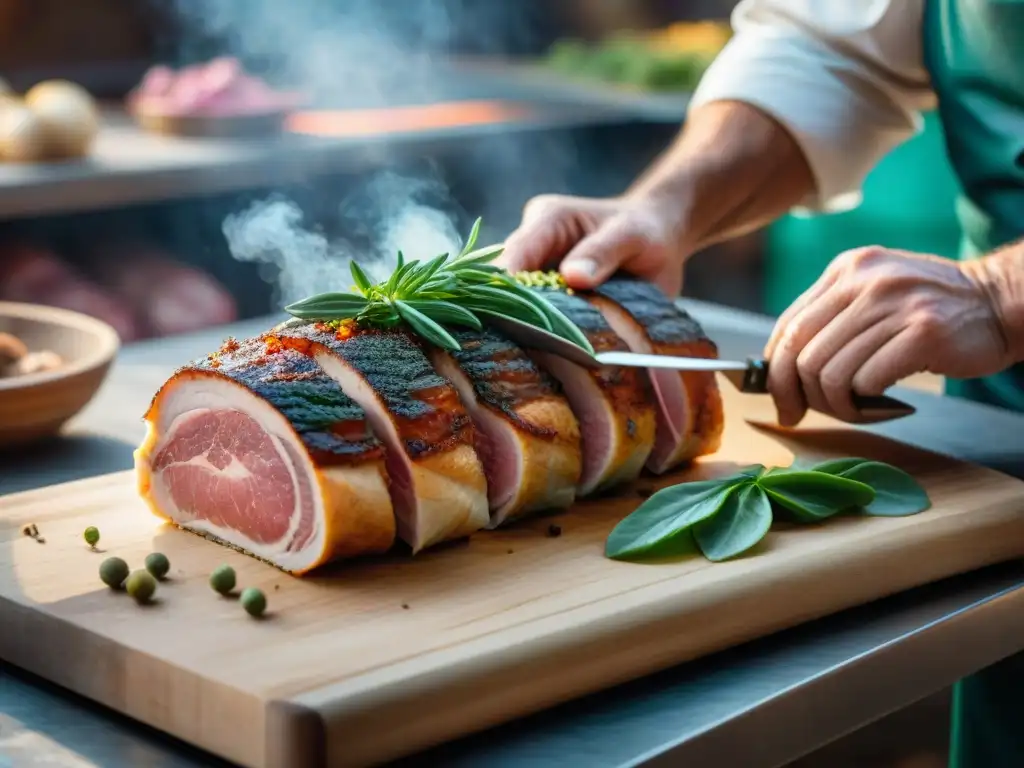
<point x="438" y="487"/>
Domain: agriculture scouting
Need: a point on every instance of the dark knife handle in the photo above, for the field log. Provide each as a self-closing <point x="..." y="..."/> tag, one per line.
<point x="872" y="408"/>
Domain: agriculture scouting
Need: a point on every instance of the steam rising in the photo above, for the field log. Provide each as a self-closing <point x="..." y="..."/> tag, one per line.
<point x="348" y="53"/>
<point x="273" y="232"/>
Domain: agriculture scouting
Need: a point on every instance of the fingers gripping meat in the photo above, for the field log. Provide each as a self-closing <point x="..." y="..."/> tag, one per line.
<point x="260" y="449"/>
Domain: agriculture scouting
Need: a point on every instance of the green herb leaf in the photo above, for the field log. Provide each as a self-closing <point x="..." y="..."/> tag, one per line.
<point x="740" y="523"/>
<point x="362" y="281"/>
<point x="480" y="255"/>
<point x="426" y="327"/>
<point x="811" y="497"/>
<point x="401" y="261"/>
<point x="330" y="300"/>
<point x="661" y="525"/>
<point x="560" y="324"/>
<point x="446" y="312"/>
<point x="897" y="494"/>
<point x="474" y="233"/>
<point x="838" y="466"/>
<point x="506" y="303"/>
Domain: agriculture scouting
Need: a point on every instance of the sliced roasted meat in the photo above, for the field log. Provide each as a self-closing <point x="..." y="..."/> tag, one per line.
<point x="261" y="449"/>
<point x="614" y="405"/>
<point x="438" y="487"/>
<point x="690" y="419"/>
<point x="526" y="434"/>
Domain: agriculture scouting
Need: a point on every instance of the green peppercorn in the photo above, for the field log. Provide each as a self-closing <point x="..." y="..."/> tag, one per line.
<point x="141" y="586"/>
<point x="223" y="579"/>
<point x="92" y="535"/>
<point x="113" y="572"/>
<point x="158" y="564"/>
<point x="253" y="601"/>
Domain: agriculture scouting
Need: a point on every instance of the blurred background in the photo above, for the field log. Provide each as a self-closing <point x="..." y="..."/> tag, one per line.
<point x="242" y="155"/>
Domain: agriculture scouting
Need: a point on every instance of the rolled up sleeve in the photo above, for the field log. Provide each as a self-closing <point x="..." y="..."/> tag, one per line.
<point x="846" y="78"/>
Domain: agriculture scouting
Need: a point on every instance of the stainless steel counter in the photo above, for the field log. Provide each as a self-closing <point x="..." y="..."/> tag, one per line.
<point x="761" y="704"/>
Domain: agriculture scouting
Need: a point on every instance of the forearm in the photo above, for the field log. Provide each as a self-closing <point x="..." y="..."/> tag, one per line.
<point x="733" y="169"/>
<point x="1001" y="276"/>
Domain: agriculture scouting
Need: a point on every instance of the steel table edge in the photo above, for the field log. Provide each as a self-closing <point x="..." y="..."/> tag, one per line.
<point x="843" y="698"/>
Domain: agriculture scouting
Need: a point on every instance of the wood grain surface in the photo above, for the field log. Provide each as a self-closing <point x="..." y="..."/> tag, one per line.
<point x="369" y="661"/>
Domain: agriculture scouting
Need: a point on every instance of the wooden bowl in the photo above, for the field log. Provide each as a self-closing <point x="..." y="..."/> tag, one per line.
<point x="37" y="405"/>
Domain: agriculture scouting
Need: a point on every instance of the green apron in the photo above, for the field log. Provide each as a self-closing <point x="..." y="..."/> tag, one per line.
<point x="974" y="51"/>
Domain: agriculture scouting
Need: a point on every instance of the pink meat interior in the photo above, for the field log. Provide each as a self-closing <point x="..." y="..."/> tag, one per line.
<point x="494" y="438"/>
<point x="223" y="467"/>
<point x="592" y="411"/>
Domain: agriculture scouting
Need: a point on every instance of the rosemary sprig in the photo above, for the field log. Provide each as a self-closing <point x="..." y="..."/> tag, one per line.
<point x="427" y="296"/>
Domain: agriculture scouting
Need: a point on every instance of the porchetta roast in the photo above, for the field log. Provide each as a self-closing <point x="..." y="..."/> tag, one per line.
<point x="397" y="412"/>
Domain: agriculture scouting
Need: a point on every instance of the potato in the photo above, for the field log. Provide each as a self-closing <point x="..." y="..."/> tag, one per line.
<point x="36" y="362"/>
<point x="22" y="135"/>
<point x="69" y="116"/>
<point x="12" y="349"/>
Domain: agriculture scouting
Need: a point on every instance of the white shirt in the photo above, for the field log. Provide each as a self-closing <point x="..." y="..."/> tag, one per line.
<point x="845" y="77"/>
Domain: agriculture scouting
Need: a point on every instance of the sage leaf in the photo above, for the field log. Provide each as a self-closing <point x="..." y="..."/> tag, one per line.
<point x="661" y="525"/>
<point x="739" y="524"/>
<point x="897" y="494"/>
<point x="426" y="327"/>
<point x="838" y="466"/>
<point x="811" y="497"/>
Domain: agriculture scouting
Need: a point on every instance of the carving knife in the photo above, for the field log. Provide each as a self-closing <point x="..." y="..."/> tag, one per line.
<point x="750" y="376"/>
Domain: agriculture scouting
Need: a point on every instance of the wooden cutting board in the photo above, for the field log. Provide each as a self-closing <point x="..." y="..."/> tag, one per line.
<point x="372" y="661"/>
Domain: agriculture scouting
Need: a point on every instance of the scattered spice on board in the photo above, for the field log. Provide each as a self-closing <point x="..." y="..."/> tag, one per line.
<point x="405" y="606"/>
<point x="554" y="531"/>
<point x="158" y="565"/>
<point x="32" y="532"/>
<point x="253" y="601"/>
<point x="113" y="572"/>
<point x="510" y="552"/>
<point x="141" y="586"/>
<point x="223" y="579"/>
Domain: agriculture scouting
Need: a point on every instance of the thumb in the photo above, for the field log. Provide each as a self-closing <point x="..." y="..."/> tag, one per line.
<point x="598" y="256"/>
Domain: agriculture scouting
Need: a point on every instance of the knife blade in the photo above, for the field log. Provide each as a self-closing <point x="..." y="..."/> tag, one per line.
<point x="751" y="377"/>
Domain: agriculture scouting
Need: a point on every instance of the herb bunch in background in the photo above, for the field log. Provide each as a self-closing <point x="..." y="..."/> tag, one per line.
<point x="726" y="517"/>
<point x="427" y="296"/>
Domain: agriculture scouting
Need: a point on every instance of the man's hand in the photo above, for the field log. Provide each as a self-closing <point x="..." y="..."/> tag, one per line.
<point x="731" y="170"/>
<point x="593" y="238"/>
<point x="877" y="316"/>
